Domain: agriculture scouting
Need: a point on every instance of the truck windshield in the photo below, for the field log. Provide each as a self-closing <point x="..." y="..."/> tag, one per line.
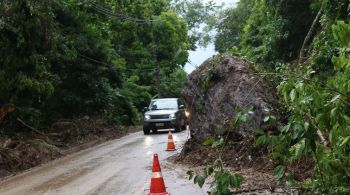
<point x="163" y="105"/>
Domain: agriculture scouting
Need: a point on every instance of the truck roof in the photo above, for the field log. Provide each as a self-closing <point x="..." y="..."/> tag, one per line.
<point x="166" y="99"/>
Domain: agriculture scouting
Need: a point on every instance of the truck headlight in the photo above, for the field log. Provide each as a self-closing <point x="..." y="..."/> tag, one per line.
<point x="172" y="116"/>
<point x="147" y="117"/>
<point x="187" y="113"/>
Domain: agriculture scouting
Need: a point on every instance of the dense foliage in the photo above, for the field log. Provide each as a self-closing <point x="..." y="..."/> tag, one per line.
<point x="314" y="90"/>
<point x="62" y="59"/>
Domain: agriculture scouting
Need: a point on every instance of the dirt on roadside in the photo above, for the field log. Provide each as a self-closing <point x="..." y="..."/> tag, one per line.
<point x="21" y="152"/>
<point x="243" y="157"/>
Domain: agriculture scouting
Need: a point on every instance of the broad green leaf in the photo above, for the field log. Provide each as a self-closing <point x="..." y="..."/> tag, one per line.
<point x="345" y="141"/>
<point x="236" y="180"/>
<point x="278" y="172"/>
<point x="208" y="171"/>
<point x="299" y="148"/>
<point x="200" y="180"/>
<point x="261" y="140"/>
<point x="286" y="128"/>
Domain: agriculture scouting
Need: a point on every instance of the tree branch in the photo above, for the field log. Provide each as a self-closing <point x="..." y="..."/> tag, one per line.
<point x="309" y="36"/>
<point x="324" y="141"/>
<point x="323" y="138"/>
<point x="31" y="128"/>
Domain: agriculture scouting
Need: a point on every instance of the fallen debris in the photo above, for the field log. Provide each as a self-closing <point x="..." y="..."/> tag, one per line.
<point x="21" y="152"/>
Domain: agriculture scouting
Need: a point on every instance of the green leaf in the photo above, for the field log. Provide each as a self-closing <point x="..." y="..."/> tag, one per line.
<point x="345" y="141"/>
<point x="261" y="132"/>
<point x="289" y="183"/>
<point x="200" y="180"/>
<point x="266" y="119"/>
<point x="296" y="134"/>
<point x="285" y="128"/>
<point x="261" y="140"/>
<point x="218" y="143"/>
<point x="292" y="95"/>
<point x="299" y="148"/>
<point x="333" y="112"/>
<point x="335" y="98"/>
<point x="190" y="173"/>
<point x="278" y="172"/>
<point x="208" y="171"/>
<point x="236" y="180"/>
<point x="306" y="125"/>
<point x="208" y="142"/>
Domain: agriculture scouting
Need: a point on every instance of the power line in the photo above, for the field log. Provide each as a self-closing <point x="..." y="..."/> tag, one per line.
<point x="190" y="63"/>
<point x="65" y="33"/>
<point x="107" y="12"/>
<point x="103" y="63"/>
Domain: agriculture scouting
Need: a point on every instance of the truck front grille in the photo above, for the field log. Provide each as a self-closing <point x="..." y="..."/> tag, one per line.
<point x="163" y="116"/>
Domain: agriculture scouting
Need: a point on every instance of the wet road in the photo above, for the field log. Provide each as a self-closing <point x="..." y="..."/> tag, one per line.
<point x="121" y="166"/>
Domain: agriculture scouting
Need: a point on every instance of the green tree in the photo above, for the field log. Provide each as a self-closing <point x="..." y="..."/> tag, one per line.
<point x="230" y="26"/>
<point x="172" y="85"/>
<point x="27" y="37"/>
<point x="200" y="18"/>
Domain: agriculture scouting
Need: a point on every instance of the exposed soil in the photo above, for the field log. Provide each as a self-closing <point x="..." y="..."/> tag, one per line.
<point x="251" y="162"/>
<point x="28" y="150"/>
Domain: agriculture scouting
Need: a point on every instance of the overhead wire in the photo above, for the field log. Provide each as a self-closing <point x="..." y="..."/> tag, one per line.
<point x="103" y="63"/>
<point x="190" y="63"/>
<point x="65" y="33"/>
<point x="107" y="12"/>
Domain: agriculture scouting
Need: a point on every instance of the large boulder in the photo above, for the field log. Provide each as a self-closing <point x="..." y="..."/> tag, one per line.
<point x="218" y="88"/>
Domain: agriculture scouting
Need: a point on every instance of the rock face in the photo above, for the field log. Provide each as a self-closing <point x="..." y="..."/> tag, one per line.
<point x="220" y="86"/>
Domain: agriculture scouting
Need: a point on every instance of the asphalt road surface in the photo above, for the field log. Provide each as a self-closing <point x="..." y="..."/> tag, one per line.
<point x="121" y="166"/>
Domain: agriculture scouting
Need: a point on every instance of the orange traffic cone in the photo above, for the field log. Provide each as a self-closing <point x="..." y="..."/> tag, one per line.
<point x="157" y="182"/>
<point x="171" y="144"/>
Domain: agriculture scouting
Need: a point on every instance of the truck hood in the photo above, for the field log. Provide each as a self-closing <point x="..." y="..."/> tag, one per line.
<point x="160" y="112"/>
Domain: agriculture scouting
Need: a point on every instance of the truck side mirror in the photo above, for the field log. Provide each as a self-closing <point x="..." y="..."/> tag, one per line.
<point x="145" y="109"/>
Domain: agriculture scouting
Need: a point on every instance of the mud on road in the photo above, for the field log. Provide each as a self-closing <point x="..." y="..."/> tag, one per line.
<point x="121" y="166"/>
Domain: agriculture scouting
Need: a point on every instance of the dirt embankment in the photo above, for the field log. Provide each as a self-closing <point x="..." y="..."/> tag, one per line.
<point x="21" y="152"/>
<point x="244" y="157"/>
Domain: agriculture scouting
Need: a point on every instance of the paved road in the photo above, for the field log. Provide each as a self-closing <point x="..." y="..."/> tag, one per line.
<point x="121" y="166"/>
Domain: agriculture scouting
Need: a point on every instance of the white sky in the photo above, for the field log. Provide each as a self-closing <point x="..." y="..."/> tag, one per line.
<point x="201" y="54"/>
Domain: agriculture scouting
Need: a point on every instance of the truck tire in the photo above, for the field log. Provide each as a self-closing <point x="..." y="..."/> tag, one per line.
<point x="146" y="131"/>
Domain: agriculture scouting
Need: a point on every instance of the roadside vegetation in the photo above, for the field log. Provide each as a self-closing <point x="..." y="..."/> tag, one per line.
<point x="302" y="48"/>
<point x="62" y="62"/>
<point x="61" y="59"/>
<point x="73" y="71"/>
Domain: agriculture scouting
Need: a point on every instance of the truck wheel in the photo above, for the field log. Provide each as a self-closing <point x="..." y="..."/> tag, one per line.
<point x="183" y="125"/>
<point x="146" y="131"/>
<point x="178" y="128"/>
